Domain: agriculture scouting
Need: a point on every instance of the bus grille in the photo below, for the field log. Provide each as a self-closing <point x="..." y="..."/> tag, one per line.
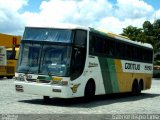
<point x="31" y="80"/>
<point x="10" y="70"/>
<point x="38" y="81"/>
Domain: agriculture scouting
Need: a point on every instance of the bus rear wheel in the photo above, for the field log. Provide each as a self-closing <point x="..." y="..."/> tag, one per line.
<point x="136" y="89"/>
<point x="89" y="90"/>
<point x="141" y="85"/>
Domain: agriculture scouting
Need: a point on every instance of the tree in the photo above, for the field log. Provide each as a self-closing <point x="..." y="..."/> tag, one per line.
<point x="150" y="33"/>
<point x="132" y="32"/>
<point x="148" y="28"/>
<point x="156" y="29"/>
<point x="156" y="24"/>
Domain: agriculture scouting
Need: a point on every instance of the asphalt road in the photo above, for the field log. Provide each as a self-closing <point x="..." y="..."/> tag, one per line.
<point x="23" y="106"/>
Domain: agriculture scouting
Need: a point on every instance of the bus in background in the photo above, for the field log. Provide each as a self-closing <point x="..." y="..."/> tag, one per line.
<point x="75" y="61"/>
<point x="156" y="71"/>
<point x="11" y="43"/>
<point x="156" y="67"/>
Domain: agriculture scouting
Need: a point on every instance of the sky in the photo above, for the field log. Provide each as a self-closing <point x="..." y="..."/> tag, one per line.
<point x="108" y="15"/>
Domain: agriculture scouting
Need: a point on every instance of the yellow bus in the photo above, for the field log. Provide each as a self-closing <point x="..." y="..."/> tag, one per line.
<point x="11" y="43"/>
<point x="75" y="61"/>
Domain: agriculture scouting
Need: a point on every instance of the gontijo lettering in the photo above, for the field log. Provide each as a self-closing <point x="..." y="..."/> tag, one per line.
<point x="132" y="66"/>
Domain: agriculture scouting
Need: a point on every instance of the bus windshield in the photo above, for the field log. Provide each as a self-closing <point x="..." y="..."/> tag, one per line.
<point x="55" y="60"/>
<point x="44" y="59"/>
<point x="48" y="34"/>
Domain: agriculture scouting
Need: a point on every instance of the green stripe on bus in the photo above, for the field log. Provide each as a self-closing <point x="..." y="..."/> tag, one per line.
<point x="105" y="74"/>
<point x="113" y="75"/>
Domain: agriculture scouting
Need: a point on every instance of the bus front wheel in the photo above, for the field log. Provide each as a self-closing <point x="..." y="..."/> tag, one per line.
<point x="46" y="98"/>
<point x="89" y="90"/>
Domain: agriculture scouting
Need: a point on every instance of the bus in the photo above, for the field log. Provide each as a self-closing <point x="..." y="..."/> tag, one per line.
<point x="11" y="44"/>
<point x="75" y="61"/>
<point x="156" y="71"/>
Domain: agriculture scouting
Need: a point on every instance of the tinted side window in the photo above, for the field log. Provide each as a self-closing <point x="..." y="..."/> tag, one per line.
<point x="120" y="50"/>
<point x="80" y="38"/>
<point x="100" y="45"/>
<point x="78" y="54"/>
<point x="105" y="46"/>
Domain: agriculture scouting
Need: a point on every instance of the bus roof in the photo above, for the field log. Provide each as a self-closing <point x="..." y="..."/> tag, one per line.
<point x="109" y="34"/>
<point x="132" y="42"/>
<point x="61" y="26"/>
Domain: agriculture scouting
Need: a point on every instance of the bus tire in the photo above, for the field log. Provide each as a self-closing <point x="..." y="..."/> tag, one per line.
<point x="10" y="77"/>
<point x="135" y="88"/>
<point x="46" y="98"/>
<point x="141" y="85"/>
<point x="90" y="90"/>
<point x="1" y="77"/>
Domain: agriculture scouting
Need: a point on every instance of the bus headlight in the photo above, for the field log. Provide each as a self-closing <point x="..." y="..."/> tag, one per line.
<point x="61" y="83"/>
<point x="20" y="78"/>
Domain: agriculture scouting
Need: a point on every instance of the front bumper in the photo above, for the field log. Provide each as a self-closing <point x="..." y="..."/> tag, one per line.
<point x="43" y="89"/>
